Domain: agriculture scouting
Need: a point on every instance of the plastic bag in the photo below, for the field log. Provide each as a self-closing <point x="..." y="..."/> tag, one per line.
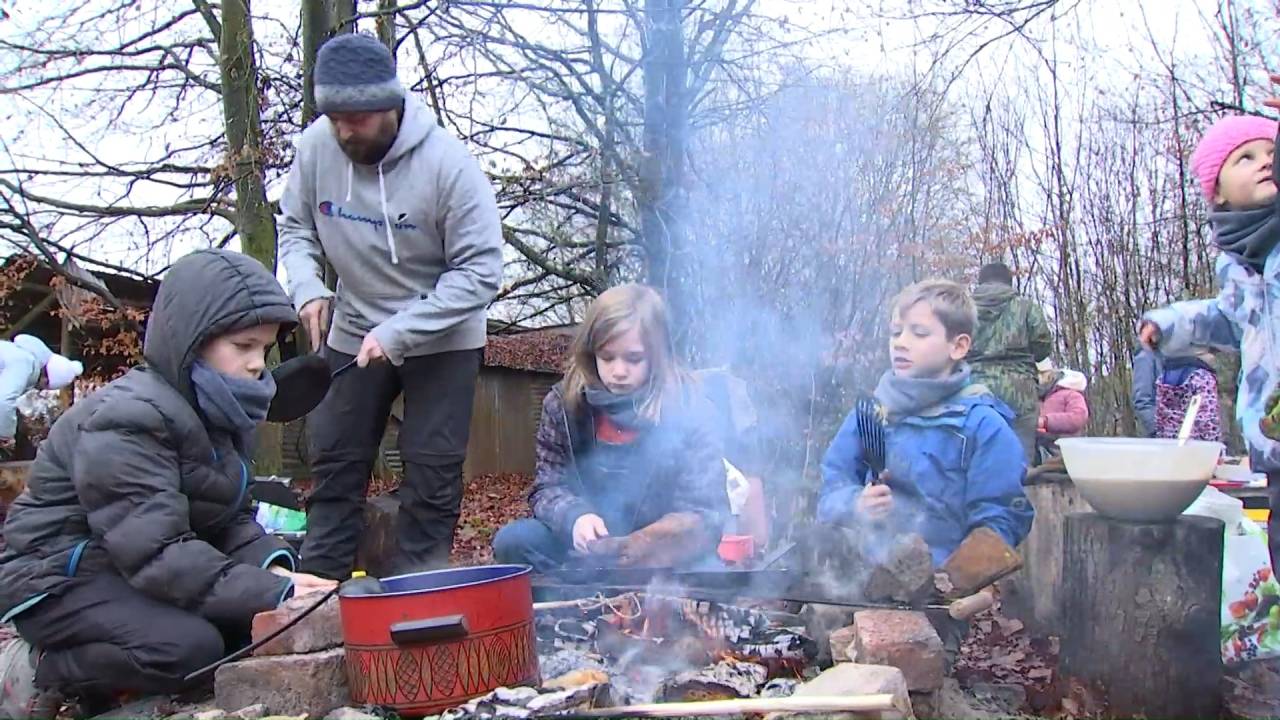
<point x="737" y="487"/>
<point x="1216" y="504"/>
<point x="274" y="518"/>
<point x="1250" y="625"/>
<point x="1250" y="596"/>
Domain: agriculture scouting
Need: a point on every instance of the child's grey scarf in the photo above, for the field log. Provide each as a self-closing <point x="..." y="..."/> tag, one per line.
<point x="233" y="405"/>
<point x="1247" y="236"/>
<point x="905" y="396"/>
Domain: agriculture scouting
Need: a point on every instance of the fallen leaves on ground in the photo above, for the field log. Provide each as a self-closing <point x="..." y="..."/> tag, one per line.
<point x="1252" y="690"/>
<point x="999" y="650"/>
<point x="488" y="503"/>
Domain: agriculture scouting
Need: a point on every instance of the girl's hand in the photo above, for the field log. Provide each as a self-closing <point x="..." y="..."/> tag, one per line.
<point x="587" y="529"/>
<point x="304" y="584"/>
<point x="875" y="502"/>
<point x="1149" y="335"/>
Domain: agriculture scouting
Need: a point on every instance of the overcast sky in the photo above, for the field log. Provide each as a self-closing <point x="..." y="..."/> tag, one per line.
<point x="1099" y="45"/>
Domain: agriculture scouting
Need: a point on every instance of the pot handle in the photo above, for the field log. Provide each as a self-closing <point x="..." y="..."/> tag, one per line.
<point x="417" y="632"/>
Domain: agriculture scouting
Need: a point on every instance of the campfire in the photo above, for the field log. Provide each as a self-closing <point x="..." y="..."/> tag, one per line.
<point x="645" y="647"/>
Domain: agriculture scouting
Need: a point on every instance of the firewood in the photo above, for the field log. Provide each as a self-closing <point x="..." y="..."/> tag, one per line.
<point x="850" y="703"/>
<point x="725" y="680"/>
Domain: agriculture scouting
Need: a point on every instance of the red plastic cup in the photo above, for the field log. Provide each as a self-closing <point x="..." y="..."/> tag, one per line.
<point x="736" y="548"/>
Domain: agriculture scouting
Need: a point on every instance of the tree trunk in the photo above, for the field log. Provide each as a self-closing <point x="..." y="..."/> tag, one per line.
<point x="243" y="117"/>
<point x="1142" y="616"/>
<point x="387" y="25"/>
<point x="255" y="222"/>
<point x="1035" y="594"/>
<point x="345" y="13"/>
<point x="319" y="23"/>
<point x="317" y="26"/>
<point x="660" y="200"/>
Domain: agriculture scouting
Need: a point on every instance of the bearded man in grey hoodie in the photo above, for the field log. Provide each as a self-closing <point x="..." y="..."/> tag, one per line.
<point x="408" y="220"/>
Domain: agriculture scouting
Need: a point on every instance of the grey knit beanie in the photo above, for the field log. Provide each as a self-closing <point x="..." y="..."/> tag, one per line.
<point x="355" y="73"/>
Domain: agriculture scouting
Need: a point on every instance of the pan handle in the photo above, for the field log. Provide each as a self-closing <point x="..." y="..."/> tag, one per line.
<point x="428" y="630"/>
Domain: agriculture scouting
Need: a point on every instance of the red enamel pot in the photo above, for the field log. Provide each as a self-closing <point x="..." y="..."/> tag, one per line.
<point x="433" y="640"/>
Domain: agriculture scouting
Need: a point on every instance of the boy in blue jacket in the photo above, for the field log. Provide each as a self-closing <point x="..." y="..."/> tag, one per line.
<point x="953" y="462"/>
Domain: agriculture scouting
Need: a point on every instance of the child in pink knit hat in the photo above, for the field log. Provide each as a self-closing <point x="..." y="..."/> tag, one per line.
<point x="1234" y="165"/>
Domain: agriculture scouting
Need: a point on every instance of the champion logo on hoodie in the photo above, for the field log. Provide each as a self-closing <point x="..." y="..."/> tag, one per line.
<point x="333" y="210"/>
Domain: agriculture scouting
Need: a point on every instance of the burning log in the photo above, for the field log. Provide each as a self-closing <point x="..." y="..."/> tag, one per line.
<point x="726" y="680"/>
<point x="661" y="646"/>
<point x="576" y="679"/>
<point x="564" y="662"/>
<point x="844" y="704"/>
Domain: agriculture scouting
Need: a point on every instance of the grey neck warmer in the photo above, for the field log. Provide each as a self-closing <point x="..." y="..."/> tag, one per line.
<point x="904" y="396"/>
<point x="231" y="404"/>
<point x="623" y="410"/>
<point x="1247" y="236"/>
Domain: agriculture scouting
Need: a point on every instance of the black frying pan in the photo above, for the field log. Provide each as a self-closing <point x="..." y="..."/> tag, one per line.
<point x="301" y="383"/>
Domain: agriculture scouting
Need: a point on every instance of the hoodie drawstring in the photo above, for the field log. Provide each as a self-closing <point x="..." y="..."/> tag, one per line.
<point x="386" y="217"/>
<point x="351" y="169"/>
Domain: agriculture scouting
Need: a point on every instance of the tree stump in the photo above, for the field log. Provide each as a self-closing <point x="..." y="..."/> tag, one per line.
<point x="1035" y="593"/>
<point x="1141" y="614"/>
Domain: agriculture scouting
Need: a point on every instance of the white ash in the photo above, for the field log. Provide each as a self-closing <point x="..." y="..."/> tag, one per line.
<point x="779" y="688"/>
<point x="562" y="662"/>
<point x="518" y="703"/>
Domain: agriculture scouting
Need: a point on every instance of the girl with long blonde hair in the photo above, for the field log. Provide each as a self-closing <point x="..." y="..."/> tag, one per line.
<point x="629" y="471"/>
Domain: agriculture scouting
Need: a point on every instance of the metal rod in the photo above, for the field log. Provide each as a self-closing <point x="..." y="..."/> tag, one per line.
<point x="254" y="646"/>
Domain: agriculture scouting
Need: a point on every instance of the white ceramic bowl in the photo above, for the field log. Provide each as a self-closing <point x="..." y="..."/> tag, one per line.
<point x="1139" y="479"/>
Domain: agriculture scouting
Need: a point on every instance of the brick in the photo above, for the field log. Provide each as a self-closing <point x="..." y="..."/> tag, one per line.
<point x="841" y="642"/>
<point x="311" y="684"/>
<point x="858" y="679"/>
<point x="905" y="574"/>
<point x="321" y="630"/>
<point x="903" y="639"/>
<point x="822" y="620"/>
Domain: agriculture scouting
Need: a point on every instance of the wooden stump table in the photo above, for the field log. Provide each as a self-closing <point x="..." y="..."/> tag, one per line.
<point x="1141" y="613"/>
<point x="1034" y="594"/>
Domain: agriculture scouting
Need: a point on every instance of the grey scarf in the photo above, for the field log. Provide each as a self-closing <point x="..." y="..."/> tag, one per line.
<point x="623" y="410"/>
<point x="904" y="396"/>
<point x="231" y="404"/>
<point x="1247" y="236"/>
